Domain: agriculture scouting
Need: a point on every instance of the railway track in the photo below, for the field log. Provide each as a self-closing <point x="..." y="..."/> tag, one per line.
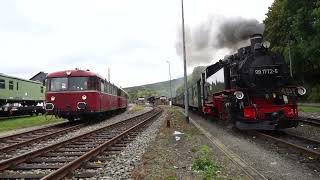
<point x="59" y="160"/>
<point x="17" y="141"/>
<point x="310" y="121"/>
<point x="302" y="145"/>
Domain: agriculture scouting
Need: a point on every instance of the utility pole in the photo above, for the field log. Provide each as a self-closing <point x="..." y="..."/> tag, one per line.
<point x="108" y="74"/>
<point x="170" y="84"/>
<point x="290" y="60"/>
<point x="186" y="103"/>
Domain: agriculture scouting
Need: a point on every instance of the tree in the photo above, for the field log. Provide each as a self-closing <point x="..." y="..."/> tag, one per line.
<point x="297" y="22"/>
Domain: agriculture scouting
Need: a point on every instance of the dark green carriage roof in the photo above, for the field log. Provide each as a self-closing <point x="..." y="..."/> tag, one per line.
<point x="20" y="79"/>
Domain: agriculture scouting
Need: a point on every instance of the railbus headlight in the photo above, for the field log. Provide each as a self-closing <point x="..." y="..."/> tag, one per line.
<point x="84" y="97"/>
<point x="53" y="98"/>
<point x="239" y="94"/>
<point x="301" y="90"/>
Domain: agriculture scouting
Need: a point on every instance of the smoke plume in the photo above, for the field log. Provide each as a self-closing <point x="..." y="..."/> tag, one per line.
<point x="204" y="41"/>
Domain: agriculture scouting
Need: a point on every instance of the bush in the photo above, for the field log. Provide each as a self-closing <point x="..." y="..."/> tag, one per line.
<point x="314" y="94"/>
<point x="205" y="164"/>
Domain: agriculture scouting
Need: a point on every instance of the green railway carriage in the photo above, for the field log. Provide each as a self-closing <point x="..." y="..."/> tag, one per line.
<point x="17" y="90"/>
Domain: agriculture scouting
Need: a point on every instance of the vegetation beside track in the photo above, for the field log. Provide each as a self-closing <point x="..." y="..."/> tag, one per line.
<point x="309" y="109"/>
<point x="185" y="157"/>
<point x="24" y="122"/>
<point x="137" y="107"/>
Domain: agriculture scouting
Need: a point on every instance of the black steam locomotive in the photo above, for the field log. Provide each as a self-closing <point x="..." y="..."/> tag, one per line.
<point x="251" y="89"/>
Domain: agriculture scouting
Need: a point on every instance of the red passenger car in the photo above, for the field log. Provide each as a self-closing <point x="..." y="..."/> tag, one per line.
<point x="77" y="93"/>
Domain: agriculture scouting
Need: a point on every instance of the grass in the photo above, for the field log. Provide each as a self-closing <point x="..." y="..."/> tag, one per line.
<point x="309" y="109"/>
<point x="137" y="107"/>
<point x="30" y="121"/>
<point x="205" y="164"/>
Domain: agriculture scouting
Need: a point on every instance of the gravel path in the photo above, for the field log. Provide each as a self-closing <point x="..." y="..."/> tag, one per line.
<point x="268" y="162"/>
<point x="123" y="163"/>
<point x="115" y="119"/>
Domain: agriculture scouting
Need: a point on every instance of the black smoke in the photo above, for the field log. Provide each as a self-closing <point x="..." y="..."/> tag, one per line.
<point x="216" y="33"/>
<point x="232" y="32"/>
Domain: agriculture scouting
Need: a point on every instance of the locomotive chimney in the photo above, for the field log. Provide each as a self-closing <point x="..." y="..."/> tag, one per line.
<point x="255" y="39"/>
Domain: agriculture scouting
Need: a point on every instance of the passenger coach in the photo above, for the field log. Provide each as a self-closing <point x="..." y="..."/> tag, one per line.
<point x="78" y="93"/>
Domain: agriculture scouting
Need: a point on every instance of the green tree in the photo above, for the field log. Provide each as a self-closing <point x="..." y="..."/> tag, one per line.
<point x="297" y="22"/>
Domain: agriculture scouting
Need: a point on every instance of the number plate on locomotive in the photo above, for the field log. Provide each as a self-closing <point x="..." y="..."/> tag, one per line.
<point x="266" y="71"/>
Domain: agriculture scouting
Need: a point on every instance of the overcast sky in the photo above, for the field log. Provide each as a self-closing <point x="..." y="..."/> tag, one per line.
<point x="134" y="38"/>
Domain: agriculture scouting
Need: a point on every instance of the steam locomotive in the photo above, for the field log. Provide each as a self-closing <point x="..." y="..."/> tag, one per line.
<point x="251" y="89"/>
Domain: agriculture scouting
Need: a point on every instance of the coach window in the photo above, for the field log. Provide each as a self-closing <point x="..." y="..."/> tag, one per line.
<point x="102" y="86"/>
<point x="92" y="83"/>
<point x="17" y="86"/>
<point x="2" y="84"/>
<point x="41" y="89"/>
<point x="10" y="85"/>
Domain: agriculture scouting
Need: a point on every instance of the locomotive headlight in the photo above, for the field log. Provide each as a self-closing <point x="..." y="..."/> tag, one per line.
<point x="84" y="97"/>
<point x="53" y="98"/>
<point x="266" y="44"/>
<point x="239" y="94"/>
<point x="301" y="90"/>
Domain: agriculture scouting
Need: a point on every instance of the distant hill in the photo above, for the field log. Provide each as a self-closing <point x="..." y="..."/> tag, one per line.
<point x="161" y="88"/>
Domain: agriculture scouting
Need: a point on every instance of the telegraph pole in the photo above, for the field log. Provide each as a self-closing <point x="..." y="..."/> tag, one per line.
<point x="186" y="100"/>
<point x="290" y="60"/>
<point x="170" y="84"/>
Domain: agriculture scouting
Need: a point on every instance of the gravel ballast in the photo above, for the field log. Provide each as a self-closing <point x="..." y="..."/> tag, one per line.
<point x="121" y="166"/>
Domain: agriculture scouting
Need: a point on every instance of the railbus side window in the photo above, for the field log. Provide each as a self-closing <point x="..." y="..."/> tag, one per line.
<point x="2" y="84"/>
<point x="102" y="86"/>
<point x="10" y="85"/>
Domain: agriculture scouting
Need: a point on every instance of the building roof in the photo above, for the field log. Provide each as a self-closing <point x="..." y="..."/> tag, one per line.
<point x="12" y="77"/>
<point x="39" y="73"/>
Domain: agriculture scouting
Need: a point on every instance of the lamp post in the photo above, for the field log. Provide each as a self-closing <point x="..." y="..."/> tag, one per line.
<point x="186" y="103"/>
<point x="170" y="84"/>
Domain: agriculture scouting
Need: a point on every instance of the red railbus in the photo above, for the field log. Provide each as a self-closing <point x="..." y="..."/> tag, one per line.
<point x="78" y="93"/>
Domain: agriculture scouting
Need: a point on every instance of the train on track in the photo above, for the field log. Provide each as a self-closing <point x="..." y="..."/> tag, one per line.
<point x="20" y="96"/>
<point x="73" y="94"/>
<point x="251" y="89"/>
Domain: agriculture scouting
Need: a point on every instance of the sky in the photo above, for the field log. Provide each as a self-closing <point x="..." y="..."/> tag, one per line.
<point x="134" y="38"/>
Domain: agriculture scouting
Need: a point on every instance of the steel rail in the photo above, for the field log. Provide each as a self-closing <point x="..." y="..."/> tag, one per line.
<point x="310" y="121"/>
<point x="66" y="169"/>
<point x="42" y="137"/>
<point x="35" y="153"/>
<point x="299" y="148"/>
<point x="33" y="131"/>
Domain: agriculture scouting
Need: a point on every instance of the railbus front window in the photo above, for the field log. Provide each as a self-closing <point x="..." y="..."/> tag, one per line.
<point x="78" y="83"/>
<point x="73" y="84"/>
<point x="59" y="84"/>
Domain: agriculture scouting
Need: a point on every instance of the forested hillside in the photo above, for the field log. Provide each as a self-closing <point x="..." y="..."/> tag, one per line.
<point x="155" y="89"/>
